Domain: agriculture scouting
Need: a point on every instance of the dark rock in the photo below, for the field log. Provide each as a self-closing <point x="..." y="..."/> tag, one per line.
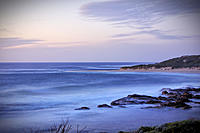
<point x="171" y="94"/>
<point x="122" y="106"/>
<point x="193" y="89"/>
<point x="164" y="92"/>
<point x="179" y="90"/>
<point x="123" y="132"/>
<point x="187" y="94"/>
<point x="175" y="98"/>
<point x="176" y="104"/>
<point x="82" y="108"/>
<point x="126" y="101"/>
<point x="196" y="96"/>
<point x="188" y="89"/>
<point x="187" y="107"/>
<point x="141" y="97"/>
<point x="163" y="98"/>
<point x="104" y="106"/>
<point x="169" y="104"/>
<point x="166" y="89"/>
<point x="135" y="99"/>
<point x="153" y="102"/>
<point x="183" y="99"/>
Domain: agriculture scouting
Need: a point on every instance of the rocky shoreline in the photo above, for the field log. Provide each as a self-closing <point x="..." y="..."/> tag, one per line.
<point x="176" y="98"/>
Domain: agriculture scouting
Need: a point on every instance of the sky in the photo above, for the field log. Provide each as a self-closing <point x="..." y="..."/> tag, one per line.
<point x="98" y="30"/>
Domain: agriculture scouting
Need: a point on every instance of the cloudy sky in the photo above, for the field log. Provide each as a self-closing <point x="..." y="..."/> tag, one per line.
<point x="98" y="30"/>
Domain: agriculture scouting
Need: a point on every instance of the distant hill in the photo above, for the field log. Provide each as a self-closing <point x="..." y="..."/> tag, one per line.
<point x="180" y="62"/>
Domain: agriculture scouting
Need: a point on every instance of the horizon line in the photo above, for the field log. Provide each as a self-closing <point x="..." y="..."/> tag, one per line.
<point x="72" y="61"/>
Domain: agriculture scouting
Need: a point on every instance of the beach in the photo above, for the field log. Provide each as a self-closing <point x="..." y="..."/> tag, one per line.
<point x="177" y="70"/>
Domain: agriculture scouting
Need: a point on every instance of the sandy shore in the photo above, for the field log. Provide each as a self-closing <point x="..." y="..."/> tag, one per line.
<point x="179" y="70"/>
<point x="182" y="70"/>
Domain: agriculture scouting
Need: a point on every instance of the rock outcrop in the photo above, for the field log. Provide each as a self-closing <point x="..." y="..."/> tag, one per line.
<point x="104" y="106"/>
<point x="176" y="98"/>
<point x="82" y="108"/>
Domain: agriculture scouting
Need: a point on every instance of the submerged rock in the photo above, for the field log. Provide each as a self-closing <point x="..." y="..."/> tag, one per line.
<point x="104" y="106"/>
<point x="153" y="102"/>
<point x="121" y="106"/>
<point x="197" y="102"/>
<point x="187" y="95"/>
<point x="164" y="92"/>
<point x="82" y="108"/>
<point x="148" y="107"/>
<point x="188" y="89"/>
<point x="193" y="89"/>
<point x="163" y="98"/>
<point x="196" y="96"/>
<point x="177" y="104"/>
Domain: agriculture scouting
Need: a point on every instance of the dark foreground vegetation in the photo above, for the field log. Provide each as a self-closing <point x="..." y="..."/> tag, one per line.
<point x="63" y="127"/>
<point x="186" y="126"/>
<point x="180" y="62"/>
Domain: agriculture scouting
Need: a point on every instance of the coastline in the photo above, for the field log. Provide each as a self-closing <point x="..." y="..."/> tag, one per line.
<point x="183" y="64"/>
<point x="178" y="70"/>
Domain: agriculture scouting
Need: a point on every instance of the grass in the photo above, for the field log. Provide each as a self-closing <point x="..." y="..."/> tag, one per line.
<point x="186" y="126"/>
<point x="63" y="127"/>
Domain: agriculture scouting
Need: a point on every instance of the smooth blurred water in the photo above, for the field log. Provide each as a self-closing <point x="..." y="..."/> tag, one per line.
<point x="39" y="94"/>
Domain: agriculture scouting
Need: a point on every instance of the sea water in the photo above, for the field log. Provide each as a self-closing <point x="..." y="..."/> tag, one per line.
<point x="37" y="95"/>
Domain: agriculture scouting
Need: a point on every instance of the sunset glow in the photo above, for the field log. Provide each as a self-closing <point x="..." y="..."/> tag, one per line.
<point x="84" y="30"/>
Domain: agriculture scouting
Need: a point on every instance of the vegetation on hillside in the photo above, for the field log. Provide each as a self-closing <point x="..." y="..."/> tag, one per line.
<point x="180" y="62"/>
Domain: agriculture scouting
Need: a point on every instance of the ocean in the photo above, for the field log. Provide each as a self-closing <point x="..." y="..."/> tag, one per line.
<point x="37" y="95"/>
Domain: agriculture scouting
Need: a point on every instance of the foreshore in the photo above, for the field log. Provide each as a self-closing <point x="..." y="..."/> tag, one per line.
<point x="183" y="64"/>
<point x="178" y="70"/>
